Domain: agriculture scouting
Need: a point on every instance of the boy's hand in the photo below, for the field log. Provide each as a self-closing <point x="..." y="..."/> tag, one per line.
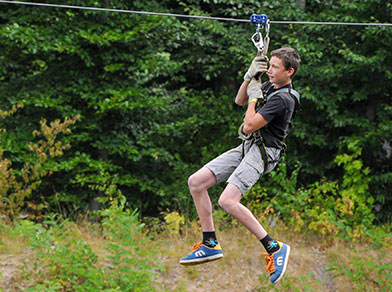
<point x="254" y="90"/>
<point x="259" y="65"/>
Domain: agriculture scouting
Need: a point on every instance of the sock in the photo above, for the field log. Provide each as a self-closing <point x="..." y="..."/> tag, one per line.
<point x="269" y="244"/>
<point x="209" y="239"/>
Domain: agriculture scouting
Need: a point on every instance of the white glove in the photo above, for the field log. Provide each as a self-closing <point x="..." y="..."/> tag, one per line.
<point x="254" y="90"/>
<point x="259" y="65"/>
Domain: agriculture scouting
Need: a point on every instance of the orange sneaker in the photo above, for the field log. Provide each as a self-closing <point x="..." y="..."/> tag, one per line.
<point x="277" y="262"/>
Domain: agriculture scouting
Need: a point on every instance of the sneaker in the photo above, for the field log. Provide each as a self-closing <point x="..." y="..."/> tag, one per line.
<point x="201" y="254"/>
<point x="277" y="262"/>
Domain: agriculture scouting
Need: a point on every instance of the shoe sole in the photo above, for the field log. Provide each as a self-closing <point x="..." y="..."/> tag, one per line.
<point x="202" y="260"/>
<point x="285" y="264"/>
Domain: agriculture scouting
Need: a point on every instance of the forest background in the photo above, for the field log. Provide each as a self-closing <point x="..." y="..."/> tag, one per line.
<point x="99" y="107"/>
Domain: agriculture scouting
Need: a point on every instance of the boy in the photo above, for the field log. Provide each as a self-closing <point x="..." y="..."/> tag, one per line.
<point x="242" y="166"/>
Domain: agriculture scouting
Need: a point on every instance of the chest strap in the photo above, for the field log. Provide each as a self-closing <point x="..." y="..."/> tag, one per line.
<point x="287" y="90"/>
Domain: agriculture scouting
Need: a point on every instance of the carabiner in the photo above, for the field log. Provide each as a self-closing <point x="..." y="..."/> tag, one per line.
<point x="260" y="43"/>
<point x="257" y="40"/>
<point x="266" y="38"/>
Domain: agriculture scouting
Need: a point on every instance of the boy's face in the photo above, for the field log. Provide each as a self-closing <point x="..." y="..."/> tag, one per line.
<point x="278" y="74"/>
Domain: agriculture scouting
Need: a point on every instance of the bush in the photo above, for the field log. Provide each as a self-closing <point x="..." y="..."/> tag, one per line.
<point x="378" y="273"/>
<point x="18" y="182"/>
<point x="327" y="207"/>
<point x="62" y="262"/>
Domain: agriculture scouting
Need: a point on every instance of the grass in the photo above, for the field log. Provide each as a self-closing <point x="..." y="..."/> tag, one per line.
<point x="242" y="268"/>
<point x="316" y="263"/>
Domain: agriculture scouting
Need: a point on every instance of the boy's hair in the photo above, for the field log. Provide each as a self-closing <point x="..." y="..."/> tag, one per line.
<point x="289" y="57"/>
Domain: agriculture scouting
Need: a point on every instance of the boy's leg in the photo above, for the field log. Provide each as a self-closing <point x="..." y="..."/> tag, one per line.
<point x="278" y="253"/>
<point x="242" y="179"/>
<point x="199" y="183"/>
<point x="217" y="170"/>
<point x="209" y="249"/>
<point x="230" y="202"/>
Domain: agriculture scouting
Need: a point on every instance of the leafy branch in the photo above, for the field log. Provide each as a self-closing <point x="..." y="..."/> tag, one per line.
<point x="16" y="185"/>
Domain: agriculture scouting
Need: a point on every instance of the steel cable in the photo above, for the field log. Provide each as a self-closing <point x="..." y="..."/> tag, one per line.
<point x="190" y="16"/>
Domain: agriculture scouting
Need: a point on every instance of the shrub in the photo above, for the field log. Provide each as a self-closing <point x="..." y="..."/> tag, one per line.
<point x="375" y="270"/>
<point x="16" y="184"/>
<point x="62" y="262"/>
<point x="327" y="207"/>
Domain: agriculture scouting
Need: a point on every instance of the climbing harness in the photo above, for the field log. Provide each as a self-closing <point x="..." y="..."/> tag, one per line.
<point x="256" y="137"/>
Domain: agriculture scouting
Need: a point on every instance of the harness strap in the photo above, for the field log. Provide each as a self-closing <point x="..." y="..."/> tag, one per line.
<point x="263" y="152"/>
<point x="296" y="96"/>
<point x="287" y="90"/>
<point x="260" y="145"/>
<point x="257" y="138"/>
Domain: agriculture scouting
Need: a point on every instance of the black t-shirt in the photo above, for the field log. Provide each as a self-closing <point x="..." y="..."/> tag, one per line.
<point x="278" y="112"/>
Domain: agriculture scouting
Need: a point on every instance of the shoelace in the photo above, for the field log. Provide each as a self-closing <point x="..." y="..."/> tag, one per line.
<point x="196" y="246"/>
<point x="269" y="260"/>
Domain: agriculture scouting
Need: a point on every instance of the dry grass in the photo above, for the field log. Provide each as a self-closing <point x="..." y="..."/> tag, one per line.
<point x="13" y="252"/>
<point x="241" y="269"/>
<point x="243" y="265"/>
<point x="11" y="243"/>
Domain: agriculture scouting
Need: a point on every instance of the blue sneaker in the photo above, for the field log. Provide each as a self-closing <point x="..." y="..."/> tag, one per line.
<point x="201" y="254"/>
<point x="277" y="262"/>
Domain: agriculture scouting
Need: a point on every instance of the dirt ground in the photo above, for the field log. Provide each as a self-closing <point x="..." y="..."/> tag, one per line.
<point x="10" y="266"/>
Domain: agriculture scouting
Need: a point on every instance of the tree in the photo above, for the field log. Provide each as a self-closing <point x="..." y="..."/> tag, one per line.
<point x="156" y="94"/>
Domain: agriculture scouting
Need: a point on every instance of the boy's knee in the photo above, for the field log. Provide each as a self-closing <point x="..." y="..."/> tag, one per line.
<point x="230" y="198"/>
<point x="194" y="182"/>
<point x="201" y="180"/>
<point x="221" y="202"/>
<point x="224" y="203"/>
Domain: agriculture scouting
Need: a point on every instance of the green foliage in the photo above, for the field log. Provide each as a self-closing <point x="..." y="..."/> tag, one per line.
<point x="344" y="209"/>
<point x="295" y="284"/>
<point x="17" y="184"/>
<point x="143" y="113"/>
<point x="156" y="94"/>
<point x="339" y="100"/>
<point x="132" y="255"/>
<point x="355" y="205"/>
<point x="174" y="222"/>
<point x="377" y="273"/>
<point x="327" y="207"/>
<point x="63" y="262"/>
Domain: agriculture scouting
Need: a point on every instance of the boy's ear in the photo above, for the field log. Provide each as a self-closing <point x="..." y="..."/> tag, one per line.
<point x="291" y="71"/>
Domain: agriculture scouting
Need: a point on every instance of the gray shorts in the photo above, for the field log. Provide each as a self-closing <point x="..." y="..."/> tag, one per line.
<point x="243" y="172"/>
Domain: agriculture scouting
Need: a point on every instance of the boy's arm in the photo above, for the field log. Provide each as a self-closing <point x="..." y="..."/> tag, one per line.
<point x="258" y="65"/>
<point x="242" y="96"/>
<point x="253" y="120"/>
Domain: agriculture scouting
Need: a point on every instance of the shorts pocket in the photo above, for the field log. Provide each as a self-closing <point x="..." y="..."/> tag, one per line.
<point x="249" y="174"/>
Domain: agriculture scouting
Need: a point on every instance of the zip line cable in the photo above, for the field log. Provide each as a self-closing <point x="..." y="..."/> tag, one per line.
<point x="190" y="16"/>
<point x="123" y="11"/>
